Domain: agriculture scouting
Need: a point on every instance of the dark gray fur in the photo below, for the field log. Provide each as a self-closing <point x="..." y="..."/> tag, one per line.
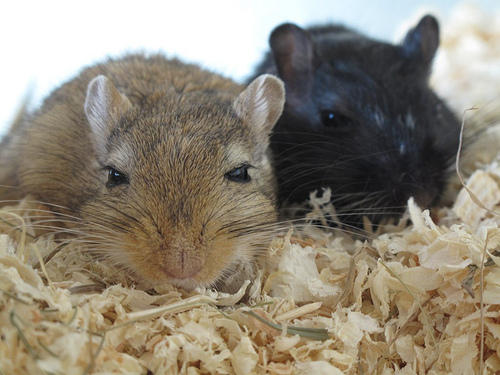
<point x="391" y="137"/>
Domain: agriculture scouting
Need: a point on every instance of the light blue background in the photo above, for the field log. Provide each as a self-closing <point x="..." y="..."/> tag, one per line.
<point x="43" y="43"/>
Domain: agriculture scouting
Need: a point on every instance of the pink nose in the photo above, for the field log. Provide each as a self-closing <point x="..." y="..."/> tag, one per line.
<point x="183" y="265"/>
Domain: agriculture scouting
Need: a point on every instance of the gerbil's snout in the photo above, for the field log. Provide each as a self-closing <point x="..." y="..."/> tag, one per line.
<point x="186" y="257"/>
<point x="182" y="260"/>
<point x="389" y="178"/>
<point x="411" y="184"/>
<point x="425" y="198"/>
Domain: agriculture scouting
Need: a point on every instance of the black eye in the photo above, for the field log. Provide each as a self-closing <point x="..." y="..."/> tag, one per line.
<point x="239" y="174"/>
<point x="115" y="178"/>
<point x="333" y="119"/>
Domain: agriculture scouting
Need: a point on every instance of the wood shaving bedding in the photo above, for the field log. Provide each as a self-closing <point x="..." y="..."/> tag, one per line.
<point x="419" y="298"/>
<point x="466" y="68"/>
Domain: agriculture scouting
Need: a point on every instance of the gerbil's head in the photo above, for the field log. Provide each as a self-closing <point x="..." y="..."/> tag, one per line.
<point x="361" y="119"/>
<point x="184" y="192"/>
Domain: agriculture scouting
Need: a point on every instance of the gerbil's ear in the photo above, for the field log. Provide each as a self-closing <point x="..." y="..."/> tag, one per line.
<point x="261" y="104"/>
<point x="422" y="41"/>
<point x="293" y="51"/>
<point x="103" y="106"/>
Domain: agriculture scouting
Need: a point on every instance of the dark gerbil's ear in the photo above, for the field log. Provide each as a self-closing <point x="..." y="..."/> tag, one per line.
<point x="422" y="41"/>
<point x="293" y="52"/>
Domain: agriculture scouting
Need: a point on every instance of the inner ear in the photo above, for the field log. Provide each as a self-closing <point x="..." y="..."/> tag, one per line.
<point x="421" y="42"/>
<point x="293" y="51"/>
<point x="260" y="106"/>
<point x="104" y="106"/>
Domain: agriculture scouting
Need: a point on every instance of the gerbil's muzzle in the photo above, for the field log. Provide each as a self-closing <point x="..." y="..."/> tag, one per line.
<point x="182" y="260"/>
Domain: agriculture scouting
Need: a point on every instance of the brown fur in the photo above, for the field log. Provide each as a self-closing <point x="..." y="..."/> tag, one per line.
<point x="175" y="130"/>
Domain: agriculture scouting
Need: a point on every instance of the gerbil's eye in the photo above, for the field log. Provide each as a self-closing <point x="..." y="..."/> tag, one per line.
<point x="333" y="119"/>
<point x="239" y="174"/>
<point x="115" y="178"/>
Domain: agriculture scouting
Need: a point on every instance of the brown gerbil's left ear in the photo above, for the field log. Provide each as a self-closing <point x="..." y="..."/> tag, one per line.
<point x="103" y="106"/>
<point x="261" y="104"/>
<point x="421" y="42"/>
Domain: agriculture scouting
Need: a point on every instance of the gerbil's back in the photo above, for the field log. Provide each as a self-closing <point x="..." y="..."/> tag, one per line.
<point x="141" y="75"/>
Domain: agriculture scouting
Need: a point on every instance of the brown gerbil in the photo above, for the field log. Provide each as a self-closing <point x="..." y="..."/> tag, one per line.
<point x="161" y="166"/>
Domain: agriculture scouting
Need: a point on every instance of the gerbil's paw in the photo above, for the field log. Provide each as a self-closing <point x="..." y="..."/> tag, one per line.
<point x="233" y="282"/>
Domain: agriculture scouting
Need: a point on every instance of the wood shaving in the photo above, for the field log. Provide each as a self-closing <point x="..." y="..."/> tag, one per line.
<point x="419" y="298"/>
<point x="420" y="301"/>
<point x="465" y="70"/>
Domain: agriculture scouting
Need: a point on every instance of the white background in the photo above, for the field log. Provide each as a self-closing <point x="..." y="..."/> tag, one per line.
<point x="44" y="43"/>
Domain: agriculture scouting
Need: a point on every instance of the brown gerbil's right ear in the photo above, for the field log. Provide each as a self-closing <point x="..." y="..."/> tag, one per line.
<point x="261" y="104"/>
<point x="293" y="51"/>
<point x="103" y="106"/>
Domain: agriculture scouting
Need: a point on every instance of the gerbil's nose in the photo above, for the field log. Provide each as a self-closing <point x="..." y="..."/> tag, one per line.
<point x="182" y="262"/>
<point x="425" y="197"/>
<point x="408" y="186"/>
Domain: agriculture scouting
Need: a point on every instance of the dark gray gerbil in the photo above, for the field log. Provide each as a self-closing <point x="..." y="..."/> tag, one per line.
<point x="361" y="119"/>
